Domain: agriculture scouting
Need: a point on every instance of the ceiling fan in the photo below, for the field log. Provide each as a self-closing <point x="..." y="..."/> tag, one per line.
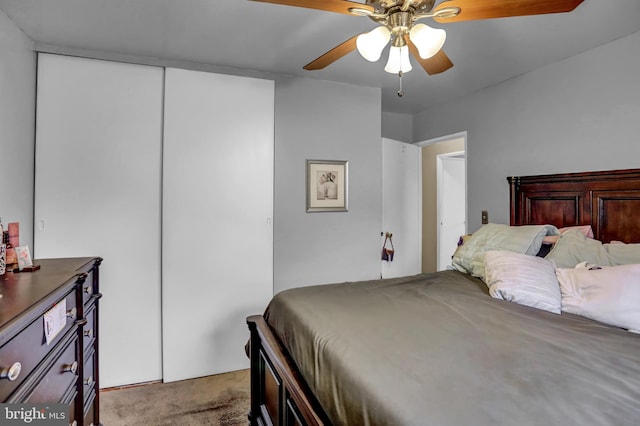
<point x="397" y="19"/>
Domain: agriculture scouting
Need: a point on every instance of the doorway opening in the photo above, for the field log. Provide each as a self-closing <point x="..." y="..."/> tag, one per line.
<point x="435" y="253"/>
<point x="452" y="205"/>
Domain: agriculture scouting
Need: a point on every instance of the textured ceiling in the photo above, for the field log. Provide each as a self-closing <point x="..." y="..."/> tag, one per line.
<point x="282" y="39"/>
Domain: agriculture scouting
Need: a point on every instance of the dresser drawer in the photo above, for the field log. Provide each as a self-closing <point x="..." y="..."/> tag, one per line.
<point x="60" y="378"/>
<point x="89" y="331"/>
<point x="89" y="374"/>
<point x="72" y="413"/>
<point x="90" y="412"/>
<point x="20" y="355"/>
<point x="88" y="288"/>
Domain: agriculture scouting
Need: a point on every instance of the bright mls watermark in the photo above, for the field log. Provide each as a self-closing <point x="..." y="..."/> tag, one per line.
<point x="34" y="414"/>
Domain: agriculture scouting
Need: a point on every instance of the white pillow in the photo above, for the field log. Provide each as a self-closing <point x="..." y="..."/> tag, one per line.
<point x="524" y="279"/>
<point x="609" y="294"/>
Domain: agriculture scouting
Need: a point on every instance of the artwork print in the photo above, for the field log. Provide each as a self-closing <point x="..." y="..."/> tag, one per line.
<point x="326" y="185"/>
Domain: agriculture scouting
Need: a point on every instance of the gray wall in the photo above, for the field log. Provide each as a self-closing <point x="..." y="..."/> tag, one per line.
<point x="579" y="114"/>
<point x="398" y="127"/>
<point x="321" y="120"/>
<point x="313" y="120"/>
<point x="17" y="124"/>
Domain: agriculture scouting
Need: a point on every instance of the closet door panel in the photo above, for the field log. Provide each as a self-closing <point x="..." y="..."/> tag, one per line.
<point x="97" y="190"/>
<point x="217" y="227"/>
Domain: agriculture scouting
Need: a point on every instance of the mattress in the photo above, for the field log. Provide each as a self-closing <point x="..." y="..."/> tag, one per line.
<point x="437" y="349"/>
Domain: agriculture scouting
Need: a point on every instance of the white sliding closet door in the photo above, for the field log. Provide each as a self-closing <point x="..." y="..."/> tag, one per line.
<point x="217" y="240"/>
<point x="97" y="192"/>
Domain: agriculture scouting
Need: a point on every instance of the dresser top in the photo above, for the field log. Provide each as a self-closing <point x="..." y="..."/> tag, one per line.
<point x="25" y="292"/>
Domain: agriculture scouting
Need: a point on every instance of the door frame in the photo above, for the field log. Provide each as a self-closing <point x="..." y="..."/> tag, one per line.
<point x="447" y="138"/>
<point x="439" y="195"/>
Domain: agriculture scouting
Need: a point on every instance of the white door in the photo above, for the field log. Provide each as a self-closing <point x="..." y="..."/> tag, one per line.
<point x="451" y="205"/>
<point x="401" y="207"/>
<point x="217" y="243"/>
<point x="97" y="193"/>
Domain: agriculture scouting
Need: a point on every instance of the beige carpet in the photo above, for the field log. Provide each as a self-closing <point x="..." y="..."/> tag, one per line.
<point x="214" y="400"/>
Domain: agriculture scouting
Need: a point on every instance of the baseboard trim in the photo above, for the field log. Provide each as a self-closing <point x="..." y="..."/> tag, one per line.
<point x="133" y="385"/>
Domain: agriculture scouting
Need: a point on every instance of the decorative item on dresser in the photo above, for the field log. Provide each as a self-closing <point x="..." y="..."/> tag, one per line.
<point x="49" y="339"/>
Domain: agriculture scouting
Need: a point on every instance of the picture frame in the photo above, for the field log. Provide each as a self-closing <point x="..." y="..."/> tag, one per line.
<point x="327" y="185"/>
<point x="24" y="257"/>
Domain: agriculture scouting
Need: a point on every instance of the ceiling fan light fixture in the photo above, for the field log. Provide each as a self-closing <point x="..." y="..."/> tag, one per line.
<point x="427" y="40"/>
<point x="370" y="44"/>
<point x="398" y="60"/>
<point x="359" y="11"/>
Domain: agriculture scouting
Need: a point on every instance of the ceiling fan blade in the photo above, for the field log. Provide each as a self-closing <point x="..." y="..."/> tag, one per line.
<point x="436" y="64"/>
<point x="487" y="9"/>
<point x="339" y="6"/>
<point x="332" y="55"/>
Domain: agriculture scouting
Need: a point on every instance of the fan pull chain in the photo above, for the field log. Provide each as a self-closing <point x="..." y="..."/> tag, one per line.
<point x="400" y="92"/>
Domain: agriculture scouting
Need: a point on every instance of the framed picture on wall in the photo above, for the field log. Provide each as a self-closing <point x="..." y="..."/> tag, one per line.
<point x="327" y="182"/>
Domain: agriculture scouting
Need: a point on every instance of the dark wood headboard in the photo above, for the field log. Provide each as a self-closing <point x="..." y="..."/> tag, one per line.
<point x="609" y="201"/>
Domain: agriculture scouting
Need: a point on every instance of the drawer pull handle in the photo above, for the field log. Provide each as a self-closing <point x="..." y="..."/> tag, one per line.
<point x="12" y="372"/>
<point x="88" y="333"/>
<point x="71" y="313"/>
<point x="70" y="368"/>
<point x="89" y="381"/>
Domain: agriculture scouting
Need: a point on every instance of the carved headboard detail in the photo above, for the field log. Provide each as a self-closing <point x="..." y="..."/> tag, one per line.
<point x="609" y="201"/>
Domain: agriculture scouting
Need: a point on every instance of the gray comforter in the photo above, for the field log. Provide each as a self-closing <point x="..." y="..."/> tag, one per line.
<point x="436" y="349"/>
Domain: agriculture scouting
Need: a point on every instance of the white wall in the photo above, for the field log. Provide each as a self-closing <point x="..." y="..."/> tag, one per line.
<point x="17" y="124"/>
<point x="579" y="114"/>
<point x="322" y="120"/>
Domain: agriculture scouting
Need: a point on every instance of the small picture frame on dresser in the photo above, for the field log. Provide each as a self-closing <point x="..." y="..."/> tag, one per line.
<point x="24" y="257"/>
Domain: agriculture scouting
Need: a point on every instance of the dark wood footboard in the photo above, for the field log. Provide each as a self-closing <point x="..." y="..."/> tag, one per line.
<point x="279" y="394"/>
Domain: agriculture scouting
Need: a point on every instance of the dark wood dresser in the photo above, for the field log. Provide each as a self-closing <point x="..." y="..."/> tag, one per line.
<point x="49" y="336"/>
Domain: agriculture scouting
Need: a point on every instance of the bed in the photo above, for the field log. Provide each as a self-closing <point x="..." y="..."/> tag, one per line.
<point x="439" y="349"/>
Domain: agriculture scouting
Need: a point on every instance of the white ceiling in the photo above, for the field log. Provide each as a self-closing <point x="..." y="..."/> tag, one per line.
<point x="282" y="39"/>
